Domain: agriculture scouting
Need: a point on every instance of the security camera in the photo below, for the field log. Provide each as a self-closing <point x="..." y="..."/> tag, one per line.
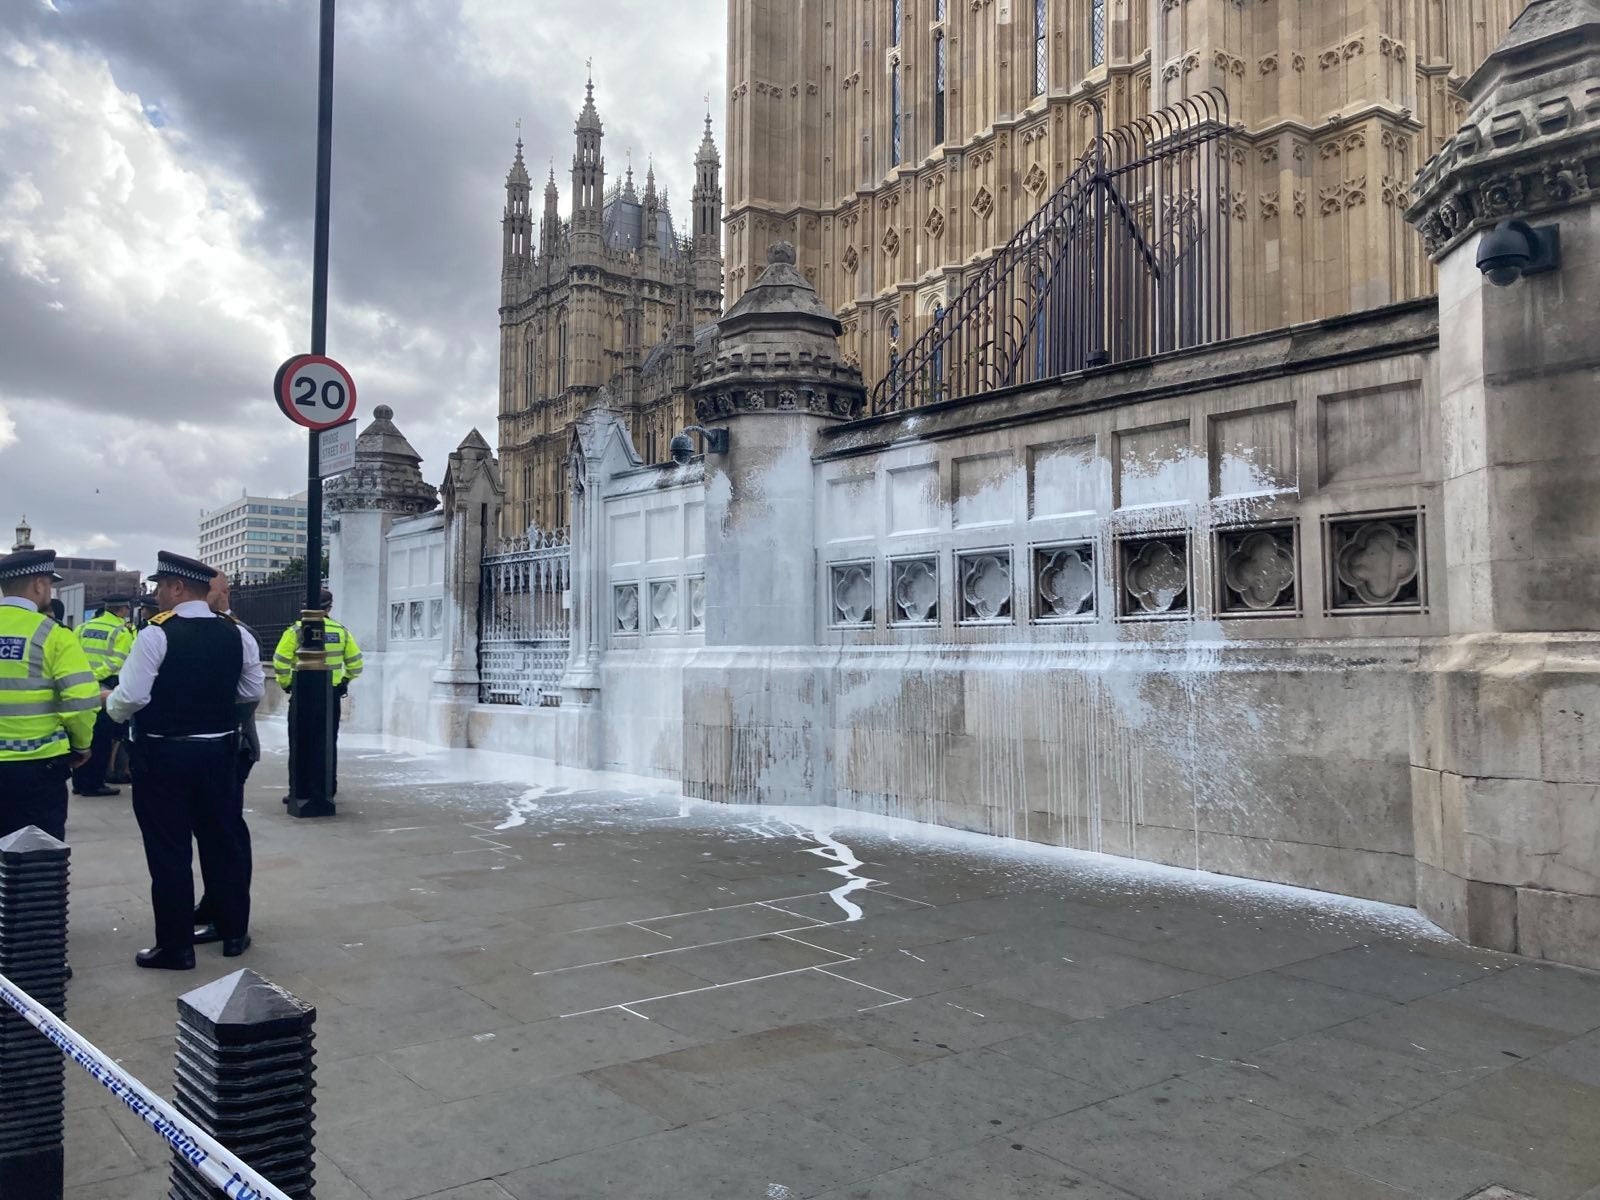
<point x="1514" y="248"/>
<point x="716" y="442"/>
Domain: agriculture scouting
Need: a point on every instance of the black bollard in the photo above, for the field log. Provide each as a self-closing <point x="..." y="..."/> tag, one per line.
<point x="33" y="956"/>
<point x="245" y="1077"/>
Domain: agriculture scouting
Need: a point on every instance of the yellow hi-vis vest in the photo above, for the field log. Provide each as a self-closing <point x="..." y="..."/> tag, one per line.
<point x="48" y="694"/>
<point x="344" y="656"/>
<point x="106" y="641"/>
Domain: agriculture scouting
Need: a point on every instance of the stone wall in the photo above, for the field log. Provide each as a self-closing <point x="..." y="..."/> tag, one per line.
<point x="997" y="649"/>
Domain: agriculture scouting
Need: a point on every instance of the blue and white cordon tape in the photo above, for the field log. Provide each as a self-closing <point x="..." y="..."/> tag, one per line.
<point x="197" y="1148"/>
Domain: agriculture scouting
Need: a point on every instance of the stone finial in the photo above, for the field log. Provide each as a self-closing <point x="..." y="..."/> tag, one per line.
<point x="1531" y="139"/>
<point x="386" y="477"/>
<point x="781" y="252"/>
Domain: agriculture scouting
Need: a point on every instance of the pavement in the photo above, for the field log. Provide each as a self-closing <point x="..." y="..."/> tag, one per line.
<point x="551" y="985"/>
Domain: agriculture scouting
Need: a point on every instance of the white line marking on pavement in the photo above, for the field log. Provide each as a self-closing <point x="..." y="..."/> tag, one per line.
<point x="858" y="983"/>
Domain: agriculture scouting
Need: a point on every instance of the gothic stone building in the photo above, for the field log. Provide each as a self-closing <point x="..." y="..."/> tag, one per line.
<point x="605" y="309"/>
<point x="896" y="142"/>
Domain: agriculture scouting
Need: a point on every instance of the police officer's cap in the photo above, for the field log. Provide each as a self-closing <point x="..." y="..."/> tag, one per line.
<point x="176" y="566"/>
<point x="117" y="601"/>
<point x="326" y="598"/>
<point x="25" y="564"/>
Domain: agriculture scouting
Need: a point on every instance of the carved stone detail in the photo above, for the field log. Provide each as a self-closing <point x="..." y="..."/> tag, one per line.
<point x="625" y="608"/>
<point x="1063" y="582"/>
<point x="850" y="587"/>
<point x="985" y="586"/>
<point x="664" y="606"/>
<point x="915" y="591"/>
<point x="1155" y="576"/>
<point x="1258" y="570"/>
<point x="1376" y="563"/>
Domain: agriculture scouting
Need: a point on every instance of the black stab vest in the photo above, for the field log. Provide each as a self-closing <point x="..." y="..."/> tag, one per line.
<point x="195" y="689"/>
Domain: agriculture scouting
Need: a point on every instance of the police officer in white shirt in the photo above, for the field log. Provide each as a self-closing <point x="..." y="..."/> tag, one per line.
<point x="183" y="684"/>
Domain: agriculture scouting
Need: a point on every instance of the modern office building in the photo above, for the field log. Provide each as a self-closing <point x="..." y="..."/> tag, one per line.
<point x="254" y="536"/>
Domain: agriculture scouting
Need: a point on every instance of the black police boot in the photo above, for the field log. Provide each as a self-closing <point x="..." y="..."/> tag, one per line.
<point x="100" y="791"/>
<point x="158" y="959"/>
<point x="233" y="947"/>
<point x="204" y="935"/>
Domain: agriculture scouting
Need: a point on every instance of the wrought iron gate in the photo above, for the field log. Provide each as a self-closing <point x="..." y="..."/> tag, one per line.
<point x="1128" y="258"/>
<point x="525" y="620"/>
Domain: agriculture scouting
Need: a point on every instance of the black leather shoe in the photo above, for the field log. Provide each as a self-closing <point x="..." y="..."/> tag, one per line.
<point x="204" y="935"/>
<point x="157" y="959"/>
<point x="100" y="791"/>
<point x="233" y="947"/>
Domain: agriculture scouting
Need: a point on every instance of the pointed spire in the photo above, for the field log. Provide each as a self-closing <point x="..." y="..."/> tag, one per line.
<point x="650" y="181"/>
<point x="708" y="146"/>
<point x="550" y="187"/>
<point x="589" y="116"/>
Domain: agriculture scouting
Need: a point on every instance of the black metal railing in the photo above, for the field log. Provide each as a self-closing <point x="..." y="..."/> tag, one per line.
<point x="270" y="607"/>
<point x="1129" y="257"/>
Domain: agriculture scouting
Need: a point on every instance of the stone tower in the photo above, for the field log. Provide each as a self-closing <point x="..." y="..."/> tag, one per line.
<point x="606" y="312"/>
<point x="898" y="144"/>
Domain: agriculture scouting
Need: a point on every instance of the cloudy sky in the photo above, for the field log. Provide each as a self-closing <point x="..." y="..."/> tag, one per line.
<point x="156" y="173"/>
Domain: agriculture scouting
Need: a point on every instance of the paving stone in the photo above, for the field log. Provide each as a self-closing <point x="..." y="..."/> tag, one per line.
<point x="1397" y="973"/>
<point x="702" y="1082"/>
<point x="403" y="1157"/>
<point x="1308" y="1178"/>
<point x="446" y="1066"/>
<point x="1559" y="998"/>
<point x="1173" y="1140"/>
<point x="735" y="1157"/>
<point x="997" y="1169"/>
<point x="918" y="1111"/>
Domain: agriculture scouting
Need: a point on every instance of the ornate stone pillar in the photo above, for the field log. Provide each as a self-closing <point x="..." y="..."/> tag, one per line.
<point x="472" y="495"/>
<point x="1504" y="764"/>
<point x="599" y="448"/>
<point x="755" y="729"/>
<point x="384" y="486"/>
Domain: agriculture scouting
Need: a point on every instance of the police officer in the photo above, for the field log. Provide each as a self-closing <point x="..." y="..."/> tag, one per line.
<point x="344" y="659"/>
<point x="48" y="699"/>
<point x="220" y="600"/>
<point x="106" y="641"/>
<point x="187" y="675"/>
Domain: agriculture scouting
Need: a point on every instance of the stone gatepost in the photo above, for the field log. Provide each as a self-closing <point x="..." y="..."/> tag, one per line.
<point x="753" y="729"/>
<point x="1506" y="736"/>
<point x="472" y="495"/>
<point x="383" y="486"/>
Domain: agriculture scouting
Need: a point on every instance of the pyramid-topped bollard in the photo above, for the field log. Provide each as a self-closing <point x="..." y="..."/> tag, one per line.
<point x="245" y="1076"/>
<point x="33" y="957"/>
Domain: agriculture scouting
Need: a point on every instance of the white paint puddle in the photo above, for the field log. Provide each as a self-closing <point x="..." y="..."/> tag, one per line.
<point x="847" y="864"/>
<point x="523" y="807"/>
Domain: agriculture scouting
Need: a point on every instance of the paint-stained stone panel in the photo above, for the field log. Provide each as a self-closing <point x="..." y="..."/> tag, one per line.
<point x="914" y="498"/>
<point x="1371" y="432"/>
<point x="1063" y="478"/>
<point x="1254" y="452"/>
<point x="985" y="489"/>
<point x="1156" y="465"/>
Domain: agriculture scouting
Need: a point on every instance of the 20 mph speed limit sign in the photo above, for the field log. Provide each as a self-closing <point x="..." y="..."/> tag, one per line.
<point x="314" y="391"/>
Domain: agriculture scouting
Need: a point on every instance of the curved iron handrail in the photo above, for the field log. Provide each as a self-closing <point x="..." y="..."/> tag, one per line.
<point x="1128" y="257"/>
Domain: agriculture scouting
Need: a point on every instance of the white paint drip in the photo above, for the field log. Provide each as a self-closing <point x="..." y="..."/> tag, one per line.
<point x="837" y="852"/>
<point x="523" y="807"/>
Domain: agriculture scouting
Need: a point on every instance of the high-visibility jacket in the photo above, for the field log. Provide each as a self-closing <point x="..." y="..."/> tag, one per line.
<point x="344" y="656"/>
<point x="106" y="641"/>
<point x="48" y="694"/>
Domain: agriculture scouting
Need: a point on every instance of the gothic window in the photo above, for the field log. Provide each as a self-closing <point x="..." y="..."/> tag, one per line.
<point x="897" y="14"/>
<point x="1097" y="32"/>
<point x="1039" y="303"/>
<point x="894" y="115"/>
<point x="561" y="355"/>
<point x="530" y="386"/>
<point x="939" y="7"/>
<point x="939" y="73"/>
<point x="936" y="359"/>
<point x="1041" y="46"/>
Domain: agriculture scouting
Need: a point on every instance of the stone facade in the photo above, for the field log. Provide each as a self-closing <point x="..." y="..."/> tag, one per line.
<point x="1505" y="769"/>
<point x="897" y="143"/>
<point x="606" y="309"/>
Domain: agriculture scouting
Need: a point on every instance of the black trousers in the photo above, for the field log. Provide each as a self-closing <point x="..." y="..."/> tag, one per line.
<point x="184" y="791"/>
<point x="205" y="910"/>
<point x="335" y="700"/>
<point x="91" y="777"/>
<point x="34" y="793"/>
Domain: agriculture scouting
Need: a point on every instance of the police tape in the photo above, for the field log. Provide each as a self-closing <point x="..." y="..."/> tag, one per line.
<point x="208" y="1158"/>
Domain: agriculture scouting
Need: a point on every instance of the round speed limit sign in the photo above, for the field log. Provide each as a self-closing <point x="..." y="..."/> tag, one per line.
<point x="314" y="391"/>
